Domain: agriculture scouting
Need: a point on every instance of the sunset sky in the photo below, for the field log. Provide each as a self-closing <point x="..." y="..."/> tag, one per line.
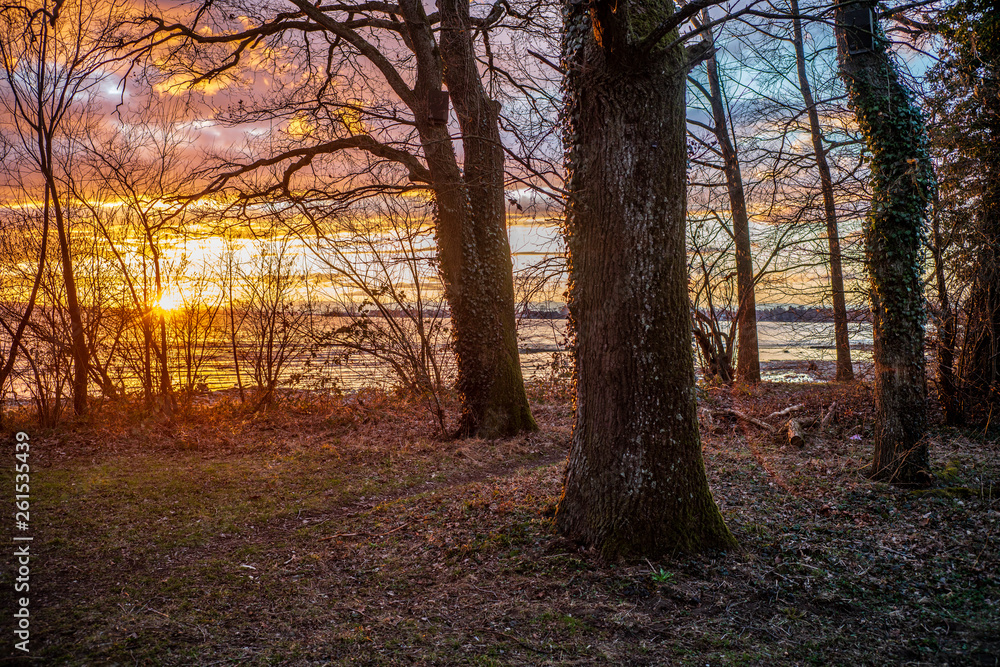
<point x="268" y="104"/>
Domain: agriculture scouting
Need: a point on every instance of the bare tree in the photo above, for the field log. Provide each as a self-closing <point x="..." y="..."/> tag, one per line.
<point x="748" y="356"/>
<point x="787" y="186"/>
<point x="271" y="331"/>
<point x="23" y="242"/>
<point x="53" y="55"/>
<point x="414" y="54"/>
<point x="845" y="369"/>
<point x="132" y="170"/>
<point x="384" y="284"/>
<point x="22" y="238"/>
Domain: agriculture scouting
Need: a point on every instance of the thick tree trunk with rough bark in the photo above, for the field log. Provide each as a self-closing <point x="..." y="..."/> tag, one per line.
<point x="635" y="484"/>
<point x="471" y="232"/>
<point x="747" y="353"/>
<point x="845" y="369"/>
<point x="489" y="364"/>
<point x="902" y="182"/>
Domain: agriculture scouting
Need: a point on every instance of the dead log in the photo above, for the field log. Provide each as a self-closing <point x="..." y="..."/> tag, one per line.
<point x="796" y="433"/>
<point x="781" y="413"/>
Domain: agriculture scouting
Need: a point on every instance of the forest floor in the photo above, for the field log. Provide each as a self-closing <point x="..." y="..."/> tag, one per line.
<point x="341" y="531"/>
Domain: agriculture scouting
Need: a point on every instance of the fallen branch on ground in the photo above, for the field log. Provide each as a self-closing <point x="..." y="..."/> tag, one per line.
<point x="748" y="418"/>
<point x="796" y="433"/>
<point x="363" y="534"/>
<point x="825" y="421"/>
<point x="781" y="413"/>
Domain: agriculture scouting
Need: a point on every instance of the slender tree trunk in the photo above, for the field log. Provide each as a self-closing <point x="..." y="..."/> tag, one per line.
<point x="166" y="390"/>
<point x="635" y="483"/>
<point x="78" y="341"/>
<point x="17" y="334"/>
<point x="147" y="351"/>
<point x="981" y="359"/>
<point x="747" y="353"/>
<point x="947" y="387"/>
<point x="148" y="327"/>
<point x="902" y="182"/>
<point x="845" y="369"/>
<point x="232" y="326"/>
<point x="473" y="248"/>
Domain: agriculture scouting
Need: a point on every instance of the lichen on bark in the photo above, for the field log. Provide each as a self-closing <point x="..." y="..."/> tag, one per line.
<point x="635" y="483"/>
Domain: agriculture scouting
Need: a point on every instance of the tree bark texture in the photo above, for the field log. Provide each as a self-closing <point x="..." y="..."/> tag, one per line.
<point x="902" y="183"/>
<point x="980" y="371"/>
<point x="947" y="387"/>
<point x="470" y="230"/>
<point x="845" y="369"/>
<point x="489" y="365"/>
<point x="473" y="247"/>
<point x="635" y="483"/>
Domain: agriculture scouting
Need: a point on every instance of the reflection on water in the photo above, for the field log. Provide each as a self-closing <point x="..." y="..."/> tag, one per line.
<point x="785" y="348"/>
<point x="779" y="341"/>
<point x="542" y="345"/>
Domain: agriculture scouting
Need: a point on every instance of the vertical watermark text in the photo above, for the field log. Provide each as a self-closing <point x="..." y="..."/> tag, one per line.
<point x="22" y="540"/>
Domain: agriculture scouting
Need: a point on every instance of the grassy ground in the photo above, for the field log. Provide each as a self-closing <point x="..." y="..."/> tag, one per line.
<point x="330" y="532"/>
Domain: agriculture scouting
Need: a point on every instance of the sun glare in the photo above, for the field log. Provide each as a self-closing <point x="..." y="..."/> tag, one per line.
<point x="171" y="300"/>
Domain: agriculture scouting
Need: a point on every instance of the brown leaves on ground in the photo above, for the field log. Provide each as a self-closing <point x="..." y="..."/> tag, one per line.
<point x="343" y="532"/>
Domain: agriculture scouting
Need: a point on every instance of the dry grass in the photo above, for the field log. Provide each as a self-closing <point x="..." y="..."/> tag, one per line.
<point x="343" y="532"/>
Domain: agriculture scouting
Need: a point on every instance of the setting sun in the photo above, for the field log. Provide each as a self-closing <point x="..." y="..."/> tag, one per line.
<point x="171" y="300"/>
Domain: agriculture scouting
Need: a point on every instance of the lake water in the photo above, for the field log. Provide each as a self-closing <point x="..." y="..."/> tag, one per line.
<point x="542" y="344"/>
<point x="777" y="342"/>
<point x="542" y="349"/>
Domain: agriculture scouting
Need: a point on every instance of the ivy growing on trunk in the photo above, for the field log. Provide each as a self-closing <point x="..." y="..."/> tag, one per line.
<point x="902" y="185"/>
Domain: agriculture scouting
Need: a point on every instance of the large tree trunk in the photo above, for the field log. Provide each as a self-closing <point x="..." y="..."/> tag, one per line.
<point x="635" y="483"/>
<point x="902" y="182"/>
<point x="747" y="354"/>
<point x="980" y="370"/>
<point x="845" y="369"/>
<point x="495" y="403"/>
<point x="471" y="234"/>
